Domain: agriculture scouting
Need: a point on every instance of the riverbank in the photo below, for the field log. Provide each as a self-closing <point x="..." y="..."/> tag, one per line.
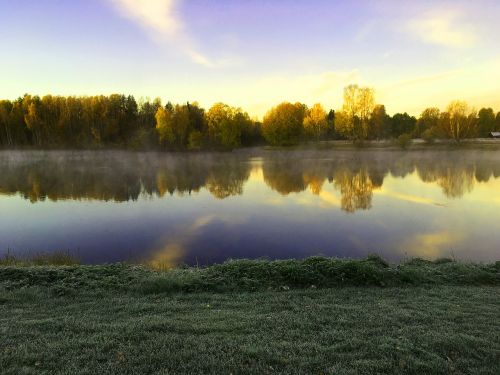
<point x="416" y="144"/>
<point x="288" y="317"/>
<point x="59" y="273"/>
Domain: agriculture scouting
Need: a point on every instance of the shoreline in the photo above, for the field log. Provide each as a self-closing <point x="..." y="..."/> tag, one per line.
<point x="391" y="144"/>
<point x="65" y="276"/>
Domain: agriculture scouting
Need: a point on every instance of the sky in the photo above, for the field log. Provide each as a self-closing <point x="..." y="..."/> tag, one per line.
<point x="254" y="54"/>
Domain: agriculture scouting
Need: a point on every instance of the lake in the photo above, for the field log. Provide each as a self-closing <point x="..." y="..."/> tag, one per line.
<point x="168" y="209"/>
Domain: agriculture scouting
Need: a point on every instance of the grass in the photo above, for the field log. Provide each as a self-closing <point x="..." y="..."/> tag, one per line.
<point x="312" y="316"/>
<point x="248" y="275"/>
<point x="55" y="258"/>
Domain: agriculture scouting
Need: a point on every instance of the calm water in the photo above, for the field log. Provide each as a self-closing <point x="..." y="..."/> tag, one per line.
<point x="205" y="208"/>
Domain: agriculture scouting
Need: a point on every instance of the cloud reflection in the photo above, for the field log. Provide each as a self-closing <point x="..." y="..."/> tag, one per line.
<point x="433" y="245"/>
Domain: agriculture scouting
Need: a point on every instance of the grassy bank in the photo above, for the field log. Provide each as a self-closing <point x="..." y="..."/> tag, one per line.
<point x="313" y="316"/>
<point x="242" y="275"/>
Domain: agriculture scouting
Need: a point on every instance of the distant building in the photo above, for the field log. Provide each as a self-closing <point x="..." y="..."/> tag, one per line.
<point x="495" y="134"/>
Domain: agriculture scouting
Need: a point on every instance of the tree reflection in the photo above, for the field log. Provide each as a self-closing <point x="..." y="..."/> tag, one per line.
<point x="122" y="176"/>
<point x="355" y="180"/>
<point x="455" y="179"/>
<point x="487" y="170"/>
<point x="456" y="183"/>
<point x="185" y="176"/>
<point x="356" y="189"/>
<point x="314" y="181"/>
<point x="285" y="177"/>
<point x="227" y="178"/>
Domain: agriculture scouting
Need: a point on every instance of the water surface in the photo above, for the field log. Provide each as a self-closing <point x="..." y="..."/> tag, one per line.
<point x="203" y="208"/>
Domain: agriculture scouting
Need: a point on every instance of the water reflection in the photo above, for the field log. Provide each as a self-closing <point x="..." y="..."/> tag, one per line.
<point x="121" y="176"/>
<point x="167" y="209"/>
<point x="356" y="189"/>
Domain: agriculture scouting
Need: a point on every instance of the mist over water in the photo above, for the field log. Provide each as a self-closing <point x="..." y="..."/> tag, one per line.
<point x="201" y="208"/>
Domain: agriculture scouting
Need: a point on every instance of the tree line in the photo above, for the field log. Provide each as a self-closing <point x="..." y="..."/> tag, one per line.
<point x="121" y="121"/>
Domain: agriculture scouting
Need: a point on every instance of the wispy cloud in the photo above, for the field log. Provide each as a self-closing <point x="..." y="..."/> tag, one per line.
<point x="443" y="27"/>
<point x="162" y="21"/>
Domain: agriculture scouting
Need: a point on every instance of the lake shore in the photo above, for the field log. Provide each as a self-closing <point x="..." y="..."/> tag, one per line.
<point x="317" y="315"/>
<point x="417" y="144"/>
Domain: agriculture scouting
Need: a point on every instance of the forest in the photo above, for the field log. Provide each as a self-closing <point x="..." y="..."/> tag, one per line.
<point x="119" y="121"/>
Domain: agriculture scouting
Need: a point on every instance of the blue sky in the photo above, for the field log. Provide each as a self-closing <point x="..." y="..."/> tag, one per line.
<point x="254" y="53"/>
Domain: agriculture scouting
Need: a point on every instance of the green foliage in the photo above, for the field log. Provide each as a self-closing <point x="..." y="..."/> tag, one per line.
<point x="459" y="121"/>
<point x="249" y="275"/>
<point x="429" y="135"/>
<point x="56" y="121"/>
<point x="404" y="141"/>
<point x="195" y="141"/>
<point x="69" y="277"/>
<point x="119" y="121"/>
<point x="354" y="120"/>
<point x="486" y="122"/>
<point x="380" y="122"/>
<point x="428" y="120"/>
<point x="226" y="125"/>
<point x="283" y="124"/>
<point x="402" y="123"/>
<point x="173" y="125"/>
<point x="315" y="122"/>
<point x="56" y="258"/>
<point x="142" y="139"/>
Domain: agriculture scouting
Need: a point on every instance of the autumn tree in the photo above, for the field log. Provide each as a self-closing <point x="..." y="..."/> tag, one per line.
<point x="459" y="121"/>
<point x="119" y="121"/>
<point x="33" y="119"/>
<point x="173" y="125"/>
<point x="225" y="125"/>
<point x="353" y="121"/>
<point x="164" y="125"/>
<point x="428" y="121"/>
<point x="315" y="122"/>
<point x="283" y="124"/>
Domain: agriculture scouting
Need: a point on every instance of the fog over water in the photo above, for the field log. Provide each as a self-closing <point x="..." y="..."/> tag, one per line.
<point x="107" y="206"/>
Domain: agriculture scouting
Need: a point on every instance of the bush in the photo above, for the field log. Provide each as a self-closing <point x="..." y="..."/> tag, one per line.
<point x="404" y="141"/>
<point x="429" y="136"/>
